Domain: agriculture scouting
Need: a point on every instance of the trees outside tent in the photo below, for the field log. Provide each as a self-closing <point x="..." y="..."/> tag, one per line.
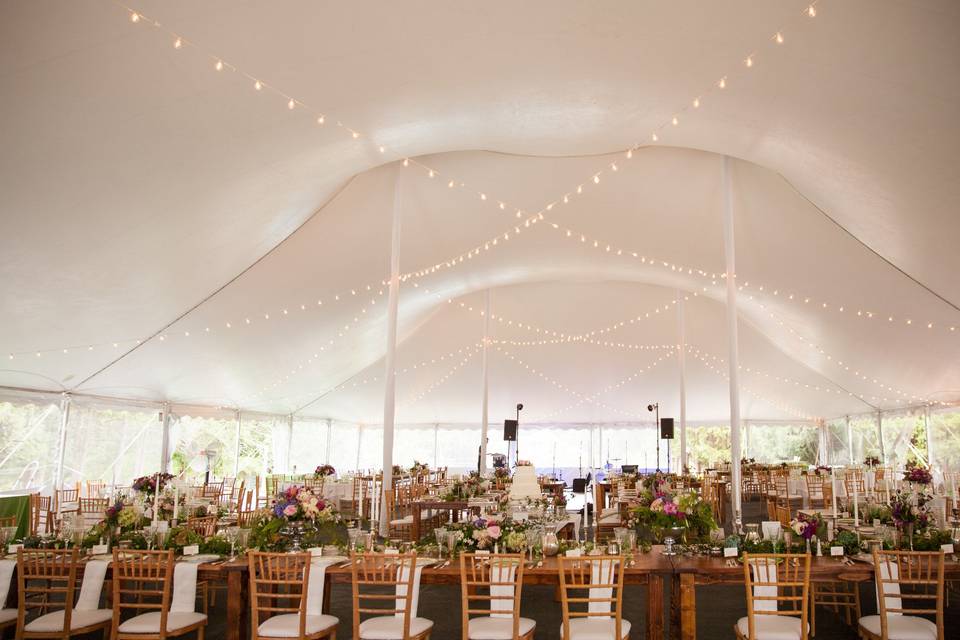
<point x="770" y="443"/>
<point x="28" y="433"/>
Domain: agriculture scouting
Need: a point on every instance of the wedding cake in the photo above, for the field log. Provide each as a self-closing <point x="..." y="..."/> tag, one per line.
<point x="525" y="483"/>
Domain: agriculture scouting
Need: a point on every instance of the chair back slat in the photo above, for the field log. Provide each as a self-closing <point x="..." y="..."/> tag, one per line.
<point x="491" y="585"/>
<point x="278" y="586"/>
<point x="46" y="578"/>
<point x="777" y="584"/>
<point x="600" y="579"/>
<point x="142" y="580"/>
<point x="375" y="573"/>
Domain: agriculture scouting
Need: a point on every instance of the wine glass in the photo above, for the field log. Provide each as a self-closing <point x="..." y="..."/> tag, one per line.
<point x="231" y="534"/>
<point x="439" y="533"/>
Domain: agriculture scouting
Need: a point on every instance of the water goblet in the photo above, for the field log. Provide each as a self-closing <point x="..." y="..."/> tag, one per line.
<point x="439" y="533"/>
<point x="231" y="534"/>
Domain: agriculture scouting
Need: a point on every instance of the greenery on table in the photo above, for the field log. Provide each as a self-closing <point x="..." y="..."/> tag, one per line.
<point x="849" y="541"/>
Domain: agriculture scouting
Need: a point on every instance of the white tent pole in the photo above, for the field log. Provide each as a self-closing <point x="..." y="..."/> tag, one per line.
<point x="289" y="468"/>
<point x="926" y="427"/>
<point x="883" y="452"/>
<point x="389" y="394"/>
<point x="356" y="462"/>
<point x="484" y="421"/>
<point x="436" y="445"/>
<point x="329" y="436"/>
<point x="61" y="443"/>
<point x="849" y="439"/>
<point x="822" y="458"/>
<point x="236" y="460"/>
<point x="730" y="253"/>
<point x="165" y="438"/>
<point x="682" y="357"/>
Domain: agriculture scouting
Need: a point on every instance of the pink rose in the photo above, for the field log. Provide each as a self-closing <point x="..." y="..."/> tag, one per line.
<point x="494" y="531"/>
<point x="290" y="510"/>
<point x="670" y="508"/>
<point x="657" y="505"/>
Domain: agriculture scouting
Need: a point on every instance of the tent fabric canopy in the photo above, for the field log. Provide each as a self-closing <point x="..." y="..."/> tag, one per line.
<point x="149" y="198"/>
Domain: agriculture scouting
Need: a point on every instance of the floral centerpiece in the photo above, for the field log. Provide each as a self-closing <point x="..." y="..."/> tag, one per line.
<point x="324" y="470"/>
<point x="821" y="470"/>
<point x="472" y="487"/>
<point x="809" y="526"/>
<point x="871" y="461"/>
<point x="148" y="484"/>
<point x="419" y="467"/>
<point x="687" y="511"/>
<point x="910" y="511"/>
<point x="294" y="513"/>
<point x="490" y="533"/>
<point x="918" y="475"/>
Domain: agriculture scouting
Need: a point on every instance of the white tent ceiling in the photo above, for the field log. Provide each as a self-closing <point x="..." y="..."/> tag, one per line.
<point x="146" y="195"/>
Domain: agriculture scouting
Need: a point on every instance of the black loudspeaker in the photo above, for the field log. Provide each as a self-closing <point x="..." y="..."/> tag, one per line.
<point x="666" y="428"/>
<point x="510" y="430"/>
<point x="628" y="468"/>
<point x="579" y="485"/>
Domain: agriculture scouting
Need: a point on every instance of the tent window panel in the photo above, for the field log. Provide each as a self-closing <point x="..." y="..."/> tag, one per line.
<point x="865" y="441"/>
<point x="111" y="443"/>
<point x="771" y="443"/>
<point x="189" y="435"/>
<point x="371" y="448"/>
<point x="344" y="439"/>
<point x="28" y="444"/>
<point x="634" y="445"/>
<point x="555" y="450"/>
<point x="457" y="448"/>
<point x="945" y="434"/>
<point x="904" y="439"/>
<point x="263" y="444"/>
<point x="414" y="444"/>
<point x="838" y="449"/>
<point x="308" y="449"/>
<point x="709" y="446"/>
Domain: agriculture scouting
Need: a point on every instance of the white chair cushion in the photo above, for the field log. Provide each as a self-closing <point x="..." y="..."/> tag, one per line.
<point x="53" y="621"/>
<point x="391" y="627"/>
<point x="150" y="622"/>
<point x="288" y="625"/>
<point x="488" y="628"/>
<point x="597" y="629"/>
<point x="768" y="627"/>
<point x="6" y="615"/>
<point x="404" y="520"/>
<point x="608" y="511"/>
<point x="902" y="627"/>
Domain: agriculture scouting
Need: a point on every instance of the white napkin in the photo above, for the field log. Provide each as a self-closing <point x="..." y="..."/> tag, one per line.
<point x="502" y="595"/>
<point x="602" y="572"/>
<point x="771" y="529"/>
<point x="184" y="599"/>
<point x="6" y="577"/>
<point x="92" y="586"/>
<point x="764" y="573"/>
<point x="318" y="571"/>
<point x="402" y="590"/>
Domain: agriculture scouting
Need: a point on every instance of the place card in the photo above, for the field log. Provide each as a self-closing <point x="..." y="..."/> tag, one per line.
<point x="391" y="552"/>
<point x="13" y="548"/>
<point x="483" y="552"/>
<point x="100" y="549"/>
<point x="836" y="551"/>
<point x="191" y="550"/>
<point x="572" y="553"/>
<point x="730" y="552"/>
<point x="315" y="551"/>
<point x="947" y="548"/>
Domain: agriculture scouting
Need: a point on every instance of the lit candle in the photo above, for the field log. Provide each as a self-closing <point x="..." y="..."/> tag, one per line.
<point x="856" y="503"/>
<point x="176" y="502"/>
<point x="833" y="490"/>
<point x="156" y="497"/>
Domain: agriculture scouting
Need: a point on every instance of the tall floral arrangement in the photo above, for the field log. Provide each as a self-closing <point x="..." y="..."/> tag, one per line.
<point x="488" y="533"/>
<point x="918" y="475"/>
<point x="324" y="470"/>
<point x="300" y="504"/>
<point x="300" y="508"/>
<point x="149" y="484"/>
<point x="910" y="509"/>
<point x="808" y="526"/>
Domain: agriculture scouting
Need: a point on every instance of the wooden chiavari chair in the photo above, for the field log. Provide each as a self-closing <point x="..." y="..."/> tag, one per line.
<point x="228" y="492"/>
<point x="245" y="518"/>
<point x="211" y="491"/>
<point x="784" y="515"/>
<point x="353" y="506"/>
<point x="315" y="484"/>
<point x="205" y="526"/>
<point x="8" y="616"/>
<point x="490" y="589"/>
<point x="819" y="491"/>
<point x="284" y="601"/>
<point x="95" y="488"/>
<point x="143" y="580"/>
<point x="41" y="515"/>
<point x="778" y="592"/>
<point x="47" y="579"/>
<point x="853" y="481"/>
<point x="398" y="507"/>
<point x="396" y="617"/>
<point x="909" y="585"/>
<point x="597" y="583"/>
<point x="608" y="518"/>
<point x="66" y="500"/>
<point x="93" y="509"/>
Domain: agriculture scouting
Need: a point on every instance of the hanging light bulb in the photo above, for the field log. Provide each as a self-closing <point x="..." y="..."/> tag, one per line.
<point x="257" y="85"/>
<point x="430" y="173"/>
<point x="723" y="83"/>
<point x="613" y="166"/>
<point x="450" y="184"/>
<point x="812" y="11"/>
<point x="629" y="153"/>
<point x="382" y="149"/>
<point x="291" y="104"/>
<point x="219" y="65"/>
<point x="355" y="134"/>
<point x="321" y="120"/>
<point x="748" y="61"/>
<point x="134" y="17"/>
<point x="579" y="188"/>
<point x="696" y="103"/>
<point x="779" y="38"/>
<point x="596" y="179"/>
<point x="406" y="162"/>
<point x="675" y="121"/>
<point x="178" y="44"/>
<point x="654" y="137"/>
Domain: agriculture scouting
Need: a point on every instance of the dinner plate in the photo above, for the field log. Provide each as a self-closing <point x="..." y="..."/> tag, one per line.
<point x="201" y="558"/>
<point x="328" y="559"/>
